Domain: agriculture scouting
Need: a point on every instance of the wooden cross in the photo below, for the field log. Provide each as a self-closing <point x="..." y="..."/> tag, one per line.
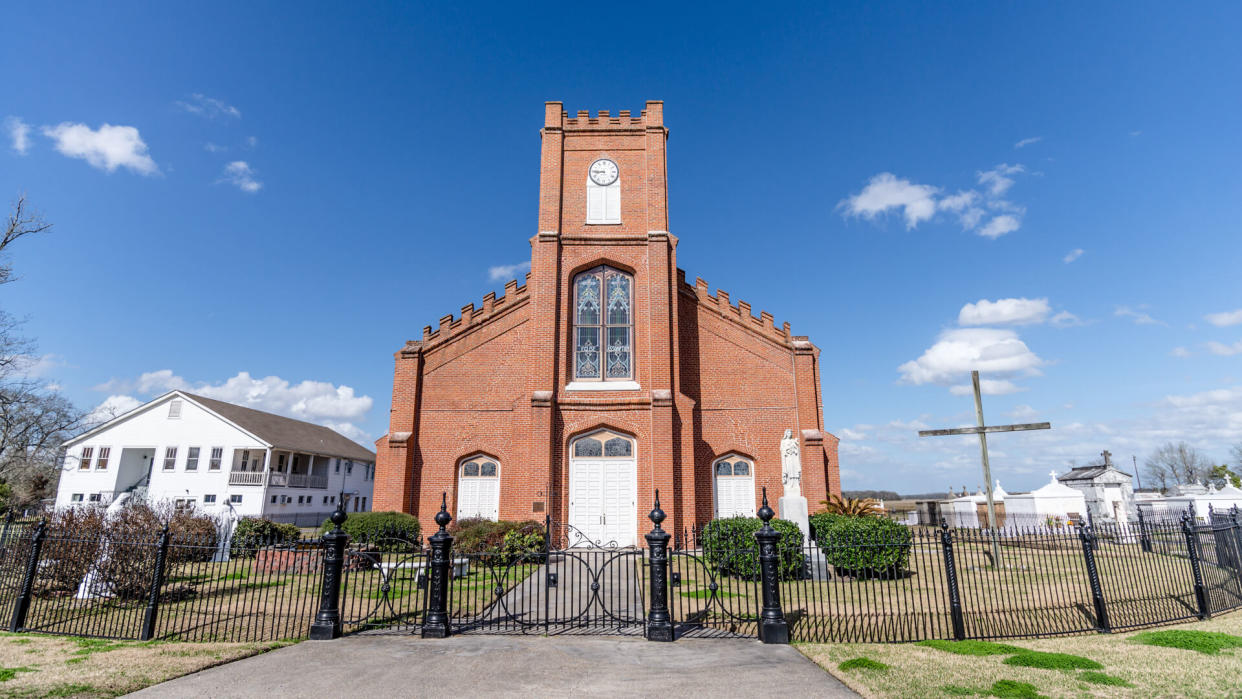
<point x="1107" y="454"/>
<point x="982" y="431"/>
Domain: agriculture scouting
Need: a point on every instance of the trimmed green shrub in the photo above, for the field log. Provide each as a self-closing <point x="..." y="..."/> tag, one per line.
<point x="384" y="530"/>
<point x="504" y="541"/>
<point x="730" y="548"/>
<point x="252" y="533"/>
<point x="863" y="547"/>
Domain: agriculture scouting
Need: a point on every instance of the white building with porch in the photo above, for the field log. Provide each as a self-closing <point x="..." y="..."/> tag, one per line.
<point x="219" y="458"/>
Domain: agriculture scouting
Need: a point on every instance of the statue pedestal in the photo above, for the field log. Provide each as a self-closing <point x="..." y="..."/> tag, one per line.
<point x="794" y="509"/>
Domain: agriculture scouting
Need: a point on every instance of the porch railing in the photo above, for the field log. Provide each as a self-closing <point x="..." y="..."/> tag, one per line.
<point x="246" y="478"/>
<point x="299" y="480"/>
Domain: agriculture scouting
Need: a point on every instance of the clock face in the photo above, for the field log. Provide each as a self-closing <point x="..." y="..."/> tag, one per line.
<point x="603" y="172"/>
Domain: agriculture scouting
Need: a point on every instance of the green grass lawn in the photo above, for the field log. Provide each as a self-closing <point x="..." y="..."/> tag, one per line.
<point x="37" y="665"/>
<point x="1203" y="659"/>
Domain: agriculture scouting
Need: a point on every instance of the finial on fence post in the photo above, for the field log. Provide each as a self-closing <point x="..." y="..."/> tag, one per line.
<point x="765" y="512"/>
<point x="443" y="517"/>
<point x="657" y="515"/>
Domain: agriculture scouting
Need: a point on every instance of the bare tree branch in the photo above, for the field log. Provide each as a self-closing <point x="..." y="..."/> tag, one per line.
<point x="22" y="222"/>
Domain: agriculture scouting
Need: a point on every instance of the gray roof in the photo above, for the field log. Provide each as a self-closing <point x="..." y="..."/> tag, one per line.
<point x="1083" y="473"/>
<point x="287" y="433"/>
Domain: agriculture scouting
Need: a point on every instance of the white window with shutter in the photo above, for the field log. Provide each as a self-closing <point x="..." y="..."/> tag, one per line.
<point x="603" y="192"/>
<point x="478" y="488"/>
<point x="734" y="478"/>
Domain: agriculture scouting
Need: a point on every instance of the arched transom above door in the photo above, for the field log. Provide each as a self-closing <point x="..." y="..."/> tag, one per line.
<point x="603" y="445"/>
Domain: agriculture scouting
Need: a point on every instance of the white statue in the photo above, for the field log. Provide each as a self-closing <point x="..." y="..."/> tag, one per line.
<point x="791" y="465"/>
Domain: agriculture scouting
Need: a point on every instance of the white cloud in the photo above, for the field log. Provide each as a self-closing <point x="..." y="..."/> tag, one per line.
<point x="1065" y="319"/>
<point x="1225" y="319"/>
<point x="320" y="402"/>
<point x="1223" y="350"/>
<point x="111" y="407"/>
<point x="847" y="433"/>
<point x="1022" y="412"/>
<point x="107" y="148"/>
<point x="36" y="367"/>
<point x="957" y="352"/>
<point x="998" y="180"/>
<point x="999" y="226"/>
<point x="1072" y="255"/>
<point x="1136" y="133"/>
<point x="1021" y="311"/>
<point x="1028" y="141"/>
<point x="239" y="174"/>
<point x="214" y="147"/>
<point x="988" y="387"/>
<point x="19" y="133"/>
<point x="966" y="205"/>
<point x="886" y="192"/>
<point x="1139" y="317"/>
<point x="208" y="107"/>
<point x="1180" y="352"/>
<point x="252" y="142"/>
<point x="503" y="273"/>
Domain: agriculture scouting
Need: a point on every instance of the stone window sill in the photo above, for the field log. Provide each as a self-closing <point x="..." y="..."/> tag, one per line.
<point x="603" y="386"/>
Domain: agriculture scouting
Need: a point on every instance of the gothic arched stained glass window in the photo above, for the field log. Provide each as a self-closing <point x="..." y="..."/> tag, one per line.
<point x="603" y="325"/>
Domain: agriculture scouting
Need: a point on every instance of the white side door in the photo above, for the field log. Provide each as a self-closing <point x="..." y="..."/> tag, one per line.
<point x="620" y="502"/>
<point x="586" y="501"/>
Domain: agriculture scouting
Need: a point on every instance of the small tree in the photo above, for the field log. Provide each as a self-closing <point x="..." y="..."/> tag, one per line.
<point x="1176" y="464"/>
<point x="1224" y="473"/>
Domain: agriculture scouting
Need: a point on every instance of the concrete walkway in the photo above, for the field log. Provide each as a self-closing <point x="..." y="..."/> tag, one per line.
<point x="472" y="666"/>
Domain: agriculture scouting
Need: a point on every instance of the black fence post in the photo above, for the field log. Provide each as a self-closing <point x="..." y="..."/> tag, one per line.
<point x="157" y="581"/>
<point x="1192" y="548"/>
<point x="1144" y="535"/>
<point x="950" y="574"/>
<point x="1087" y="535"/>
<point x="327" y="624"/>
<point x="772" y="625"/>
<point x="436" y="621"/>
<point x="20" y="609"/>
<point x="1237" y="538"/>
<point x="659" y="621"/>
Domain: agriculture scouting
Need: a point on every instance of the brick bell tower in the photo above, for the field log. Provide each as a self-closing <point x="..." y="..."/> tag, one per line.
<point x="605" y="346"/>
<point x="616" y="217"/>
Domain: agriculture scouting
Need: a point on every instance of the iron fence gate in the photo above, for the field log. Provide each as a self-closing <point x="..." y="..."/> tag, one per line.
<point x="588" y="588"/>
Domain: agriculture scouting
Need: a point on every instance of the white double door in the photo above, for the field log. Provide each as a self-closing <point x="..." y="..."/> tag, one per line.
<point x="603" y="500"/>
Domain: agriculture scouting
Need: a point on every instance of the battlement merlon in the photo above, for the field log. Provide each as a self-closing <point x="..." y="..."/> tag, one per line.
<point x="555" y="117"/>
<point x="472" y="315"/>
<point x="763" y="325"/>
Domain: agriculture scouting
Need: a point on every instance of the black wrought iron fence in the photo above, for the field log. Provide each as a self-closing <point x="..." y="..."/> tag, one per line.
<point x="903" y="584"/>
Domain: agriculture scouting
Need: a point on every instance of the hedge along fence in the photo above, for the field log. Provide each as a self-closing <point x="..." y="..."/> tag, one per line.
<point x="499" y="542"/>
<point x="386" y="531"/>
<point x="729" y="547"/>
<point x="862" y="547"/>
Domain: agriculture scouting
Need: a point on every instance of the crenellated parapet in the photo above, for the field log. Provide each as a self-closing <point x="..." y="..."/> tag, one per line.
<point x="471" y="316"/>
<point x="740" y="313"/>
<point x="557" y="118"/>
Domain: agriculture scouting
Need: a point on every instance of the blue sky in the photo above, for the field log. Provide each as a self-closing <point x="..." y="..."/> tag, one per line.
<point x="286" y="194"/>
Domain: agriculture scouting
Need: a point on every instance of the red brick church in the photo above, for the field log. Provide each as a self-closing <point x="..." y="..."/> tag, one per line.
<point x="605" y="375"/>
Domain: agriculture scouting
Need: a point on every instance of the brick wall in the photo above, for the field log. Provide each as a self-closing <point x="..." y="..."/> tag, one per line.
<point x="715" y="379"/>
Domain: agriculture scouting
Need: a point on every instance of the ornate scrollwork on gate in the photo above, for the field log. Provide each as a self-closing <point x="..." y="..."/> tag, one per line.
<point x="385" y="583"/>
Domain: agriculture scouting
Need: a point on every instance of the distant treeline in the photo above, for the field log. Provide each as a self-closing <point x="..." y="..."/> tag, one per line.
<point x="892" y="495"/>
